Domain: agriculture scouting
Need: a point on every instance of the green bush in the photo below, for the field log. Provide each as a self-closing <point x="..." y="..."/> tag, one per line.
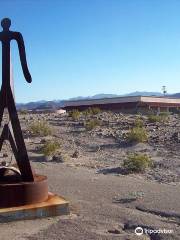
<point x="75" y="114"/>
<point x="86" y="112"/>
<point x="137" y="163"/>
<point x="154" y="118"/>
<point x="163" y="116"/>
<point x="91" y="124"/>
<point x="23" y="111"/>
<point x="95" y="110"/>
<point x="138" y="123"/>
<point x="91" y="111"/>
<point x="137" y="134"/>
<point x="40" y="128"/>
<point x="50" y="148"/>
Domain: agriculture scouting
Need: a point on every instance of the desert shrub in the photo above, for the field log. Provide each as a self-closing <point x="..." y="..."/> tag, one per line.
<point x="86" y="112"/>
<point x="75" y="114"/>
<point x="91" y="124"/>
<point x="154" y="118"/>
<point x="23" y="111"/>
<point x="91" y="111"/>
<point x="95" y="110"/>
<point x="40" y="128"/>
<point x="138" y="123"/>
<point x="163" y="116"/>
<point x="137" y="163"/>
<point x="136" y="195"/>
<point x="137" y="134"/>
<point x="50" y="148"/>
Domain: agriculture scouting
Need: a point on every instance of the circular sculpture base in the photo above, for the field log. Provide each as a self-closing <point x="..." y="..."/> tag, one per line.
<point x="23" y="193"/>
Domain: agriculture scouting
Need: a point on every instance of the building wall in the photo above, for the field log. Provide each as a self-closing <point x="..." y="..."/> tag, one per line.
<point x="124" y="107"/>
<point x="127" y="104"/>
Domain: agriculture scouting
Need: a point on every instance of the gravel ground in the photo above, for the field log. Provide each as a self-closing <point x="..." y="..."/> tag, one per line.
<point x="105" y="147"/>
<point x="105" y="204"/>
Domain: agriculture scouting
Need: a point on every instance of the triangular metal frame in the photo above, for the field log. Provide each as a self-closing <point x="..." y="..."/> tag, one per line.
<point x="7" y="135"/>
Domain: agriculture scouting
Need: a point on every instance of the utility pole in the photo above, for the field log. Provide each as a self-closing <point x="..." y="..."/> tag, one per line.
<point x="164" y="90"/>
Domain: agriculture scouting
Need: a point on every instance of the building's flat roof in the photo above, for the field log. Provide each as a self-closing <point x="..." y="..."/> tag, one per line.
<point x="129" y="99"/>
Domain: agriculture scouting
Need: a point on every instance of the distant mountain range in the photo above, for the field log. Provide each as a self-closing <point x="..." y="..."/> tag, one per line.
<point x="60" y="103"/>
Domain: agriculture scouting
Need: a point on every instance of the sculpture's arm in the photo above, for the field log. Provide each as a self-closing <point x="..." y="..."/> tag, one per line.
<point x="18" y="37"/>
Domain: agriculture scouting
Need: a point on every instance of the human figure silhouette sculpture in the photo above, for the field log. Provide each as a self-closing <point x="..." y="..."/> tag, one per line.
<point x="7" y="100"/>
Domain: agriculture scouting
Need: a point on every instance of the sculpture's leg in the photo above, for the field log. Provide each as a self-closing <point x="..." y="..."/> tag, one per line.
<point x="13" y="145"/>
<point x="23" y="160"/>
<point x="2" y="103"/>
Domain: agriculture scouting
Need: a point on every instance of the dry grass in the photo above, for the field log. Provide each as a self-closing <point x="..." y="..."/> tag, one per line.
<point x="137" y="163"/>
<point x="40" y="128"/>
<point x="91" y="124"/>
<point x="137" y="134"/>
<point x="50" y="148"/>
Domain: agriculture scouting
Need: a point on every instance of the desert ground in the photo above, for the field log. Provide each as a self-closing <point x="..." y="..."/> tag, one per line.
<point x="106" y="201"/>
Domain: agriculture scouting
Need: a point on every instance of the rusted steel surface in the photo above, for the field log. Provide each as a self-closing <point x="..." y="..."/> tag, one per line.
<point x="53" y="206"/>
<point x="23" y="193"/>
<point x="7" y="99"/>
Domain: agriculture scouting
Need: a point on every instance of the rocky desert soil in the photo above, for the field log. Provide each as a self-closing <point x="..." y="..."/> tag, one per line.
<point x="105" y="202"/>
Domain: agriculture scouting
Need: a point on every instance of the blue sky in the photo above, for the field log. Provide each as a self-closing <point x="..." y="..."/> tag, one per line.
<point x="86" y="47"/>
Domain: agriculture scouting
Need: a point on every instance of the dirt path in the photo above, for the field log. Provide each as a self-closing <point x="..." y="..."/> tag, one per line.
<point x="102" y="207"/>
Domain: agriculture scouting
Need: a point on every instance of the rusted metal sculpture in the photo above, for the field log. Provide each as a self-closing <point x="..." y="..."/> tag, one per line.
<point x="30" y="188"/>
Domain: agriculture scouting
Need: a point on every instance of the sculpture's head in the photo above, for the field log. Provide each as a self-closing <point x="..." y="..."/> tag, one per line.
<point x="6" y="23"/>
